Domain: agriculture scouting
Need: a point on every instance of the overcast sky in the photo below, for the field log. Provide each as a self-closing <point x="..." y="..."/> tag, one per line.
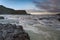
<point x="18" y="4"/>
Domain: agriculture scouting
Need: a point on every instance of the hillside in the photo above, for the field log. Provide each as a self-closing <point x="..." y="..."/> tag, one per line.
<point x="5" y="10"/>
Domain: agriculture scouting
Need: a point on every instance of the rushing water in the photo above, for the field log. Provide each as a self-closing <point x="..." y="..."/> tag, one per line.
<point x="38" y="27"/>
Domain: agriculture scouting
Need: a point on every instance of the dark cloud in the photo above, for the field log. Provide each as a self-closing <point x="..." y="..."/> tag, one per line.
<point x="48" y="5"/>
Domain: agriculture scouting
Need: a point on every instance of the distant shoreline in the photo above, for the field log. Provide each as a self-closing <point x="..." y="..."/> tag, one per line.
<point x="43" y="13"/>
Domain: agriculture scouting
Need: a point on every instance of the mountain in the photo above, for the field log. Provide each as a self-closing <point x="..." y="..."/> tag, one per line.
<point x="5" y="10"/>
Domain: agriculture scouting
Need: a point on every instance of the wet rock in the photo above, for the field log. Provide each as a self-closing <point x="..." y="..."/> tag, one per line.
<point x="21" y="36"/>
<point x="58" y="19"/>
<point x="1" y="33"/>
<point x="43" y="18"/>
<point x="13" y="32"/>
<point x="1" y="17"/>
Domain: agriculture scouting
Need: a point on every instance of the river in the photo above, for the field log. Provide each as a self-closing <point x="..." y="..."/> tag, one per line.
<point x="39" y="27"/>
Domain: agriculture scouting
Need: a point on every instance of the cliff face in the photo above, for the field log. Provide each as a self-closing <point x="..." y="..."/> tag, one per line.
<point x="4" y="10"/>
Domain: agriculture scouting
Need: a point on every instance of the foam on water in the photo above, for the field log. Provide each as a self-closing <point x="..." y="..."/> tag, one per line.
<point x="41" y="29"/>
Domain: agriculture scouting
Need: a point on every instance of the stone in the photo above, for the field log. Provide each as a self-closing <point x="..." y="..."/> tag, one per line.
<point x="13" y="32"/>
<point x="21" y="36"/>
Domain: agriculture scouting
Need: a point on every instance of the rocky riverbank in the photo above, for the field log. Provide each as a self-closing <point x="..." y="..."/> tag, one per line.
<point x="13" y="32"/>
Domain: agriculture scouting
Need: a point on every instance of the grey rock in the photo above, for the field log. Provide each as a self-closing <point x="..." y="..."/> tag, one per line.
<point x="13" y="32"/>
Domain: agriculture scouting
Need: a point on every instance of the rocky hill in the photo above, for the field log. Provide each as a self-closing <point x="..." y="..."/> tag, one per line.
<point x="5" y="10"/>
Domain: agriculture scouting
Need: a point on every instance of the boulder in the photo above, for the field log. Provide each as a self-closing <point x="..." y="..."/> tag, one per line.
<point x="13" y="32"/>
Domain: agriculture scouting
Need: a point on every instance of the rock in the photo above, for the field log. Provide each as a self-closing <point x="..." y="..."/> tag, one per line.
<point x="21" y="36"/>
<point x="43" y="18"/>
<point x="1" y="33"/>
<point x="58" y="14"/>
<point x="13" y="32"/>
<point x="58" y="19"/>
<point x="1" y="17"/>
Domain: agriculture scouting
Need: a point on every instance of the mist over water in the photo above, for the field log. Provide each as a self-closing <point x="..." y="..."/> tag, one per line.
<point x="42" y="27"/>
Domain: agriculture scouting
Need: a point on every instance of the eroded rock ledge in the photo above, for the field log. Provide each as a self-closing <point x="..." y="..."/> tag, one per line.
<point x="12" y="32"/>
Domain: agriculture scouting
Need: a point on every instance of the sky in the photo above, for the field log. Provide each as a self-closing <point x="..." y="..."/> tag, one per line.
<point x="18" y="4"/>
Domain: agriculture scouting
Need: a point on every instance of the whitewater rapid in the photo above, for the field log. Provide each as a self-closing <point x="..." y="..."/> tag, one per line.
<point x="39" y="27"/>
